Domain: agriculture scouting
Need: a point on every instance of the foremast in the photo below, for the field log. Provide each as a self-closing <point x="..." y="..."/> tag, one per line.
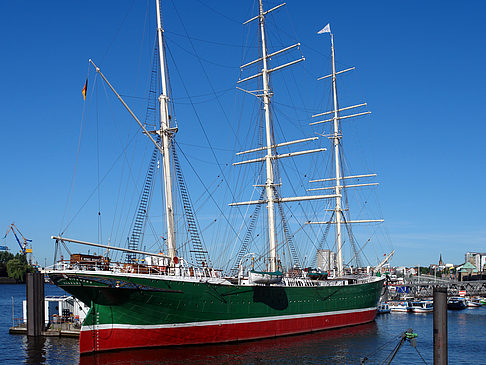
<point x="166" y="133"/>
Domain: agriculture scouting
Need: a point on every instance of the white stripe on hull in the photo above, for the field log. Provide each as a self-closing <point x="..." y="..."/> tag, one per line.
<point x="222" y="322"/>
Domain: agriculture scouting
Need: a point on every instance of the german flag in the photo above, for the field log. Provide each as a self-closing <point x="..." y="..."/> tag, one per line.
<point x="85" y="89"/>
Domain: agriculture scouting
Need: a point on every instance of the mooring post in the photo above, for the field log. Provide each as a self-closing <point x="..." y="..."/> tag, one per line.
<point x="35" y="304"/>
<point x="440" y="326"/>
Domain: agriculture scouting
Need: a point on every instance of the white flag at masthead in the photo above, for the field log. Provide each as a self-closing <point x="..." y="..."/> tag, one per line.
<point x="326" y="29"/>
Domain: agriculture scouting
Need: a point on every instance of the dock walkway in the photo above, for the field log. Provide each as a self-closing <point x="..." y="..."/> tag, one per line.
<point x="54" y="330"/>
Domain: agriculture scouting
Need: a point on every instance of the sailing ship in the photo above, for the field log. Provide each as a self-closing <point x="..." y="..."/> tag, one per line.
<point x="166" y="300"/>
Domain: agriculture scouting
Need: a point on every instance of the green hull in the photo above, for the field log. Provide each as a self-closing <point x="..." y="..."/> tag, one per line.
<point x="133" y="302"/>
<point x="139" y="300"/>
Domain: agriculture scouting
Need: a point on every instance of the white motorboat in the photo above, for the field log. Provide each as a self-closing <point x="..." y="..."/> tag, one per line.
<point x="399" y="306"/>
<point x="473" y="303"/>
<point x="422" y="306"/>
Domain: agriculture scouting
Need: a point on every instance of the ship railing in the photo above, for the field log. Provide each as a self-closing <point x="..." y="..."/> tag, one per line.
<point x="197" y="272"/>
<point x="296" y="281"/>
<point x="82" y="266"/>
<point x="117" y="267"/>
<point x="137" y="268"/>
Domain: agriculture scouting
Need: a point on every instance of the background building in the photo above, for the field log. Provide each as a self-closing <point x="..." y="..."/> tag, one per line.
<point x="477" y="259"/>
<point x="326" y="260"/>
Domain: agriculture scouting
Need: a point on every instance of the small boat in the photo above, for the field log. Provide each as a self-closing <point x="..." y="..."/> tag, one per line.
<point x="422" y="306"/>
<point x="474" y="303"/>
<point x="456" y="303"/>
<point x="317" y="275"/>
<point x="265" y="277"/>
<point x="383" y="308"/>
<point x="399" y="307"/>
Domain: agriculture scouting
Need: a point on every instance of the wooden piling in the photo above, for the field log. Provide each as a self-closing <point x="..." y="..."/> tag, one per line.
<point x="440" y="326"/>
<point x="35" y="304"/>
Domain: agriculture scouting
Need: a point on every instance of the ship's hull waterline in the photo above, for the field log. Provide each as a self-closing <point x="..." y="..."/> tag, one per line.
<point x="131" y="311"/>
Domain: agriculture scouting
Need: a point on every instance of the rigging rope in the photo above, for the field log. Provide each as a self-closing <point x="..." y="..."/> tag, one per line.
<point x="78" y="149"/>
<point x="245" y="244"/>
<point x="207" y="138"/>
<point x="322" y="241"/>
<point x="136" y="235"/>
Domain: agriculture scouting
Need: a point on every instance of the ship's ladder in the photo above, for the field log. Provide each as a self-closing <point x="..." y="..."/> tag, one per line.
<point x="144" y="200"/>
<point x="200" y="254"/>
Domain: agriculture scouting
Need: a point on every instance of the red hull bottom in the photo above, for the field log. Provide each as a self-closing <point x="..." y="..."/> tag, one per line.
<point x="124" y="338"/>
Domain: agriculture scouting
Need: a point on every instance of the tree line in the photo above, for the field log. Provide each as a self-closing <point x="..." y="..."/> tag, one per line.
<point x="14" y="266"/>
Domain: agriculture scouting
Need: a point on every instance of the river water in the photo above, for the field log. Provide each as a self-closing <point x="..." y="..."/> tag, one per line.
<point x="467" y="343"/>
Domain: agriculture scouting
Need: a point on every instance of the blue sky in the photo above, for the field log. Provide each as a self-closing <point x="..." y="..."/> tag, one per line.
<point x="419" y="67"/>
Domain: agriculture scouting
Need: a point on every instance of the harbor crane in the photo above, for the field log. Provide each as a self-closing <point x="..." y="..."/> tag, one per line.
<point x="24" y="244"/>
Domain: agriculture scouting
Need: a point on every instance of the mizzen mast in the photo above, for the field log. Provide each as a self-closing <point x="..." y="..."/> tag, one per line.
<point x="335" y="137"/>
<point x="166" y="133"/>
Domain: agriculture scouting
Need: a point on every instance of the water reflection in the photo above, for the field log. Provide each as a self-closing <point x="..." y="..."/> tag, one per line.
<point x="49" y="350"/>
<point x="343" y="346"/>
<point x="35" y="350"/>
<point x="319" y="347"/>
<point x="462" y="318"/>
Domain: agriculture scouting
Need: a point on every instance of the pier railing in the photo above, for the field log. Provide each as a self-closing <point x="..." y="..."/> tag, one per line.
<point x="424" y="288"/>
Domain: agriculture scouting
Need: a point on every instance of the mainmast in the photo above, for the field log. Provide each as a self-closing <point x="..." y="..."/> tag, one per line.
<point x="271" y="146"/>
<point x="166" y="133"/>
<point x="269" y="184"/>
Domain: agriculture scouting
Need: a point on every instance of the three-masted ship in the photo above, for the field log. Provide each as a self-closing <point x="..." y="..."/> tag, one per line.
<point x="166" y="301"/>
